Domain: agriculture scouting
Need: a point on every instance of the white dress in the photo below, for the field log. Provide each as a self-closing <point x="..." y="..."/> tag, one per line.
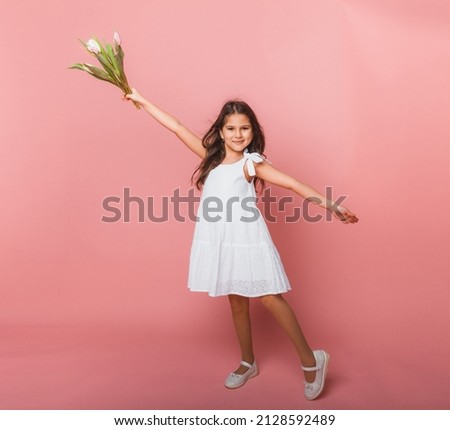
<point x="232" y="251"/>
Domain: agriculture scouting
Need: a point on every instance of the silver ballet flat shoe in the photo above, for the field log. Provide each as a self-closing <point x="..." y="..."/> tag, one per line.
<point x="313" y="389"/>
<point x="235" y="381"/>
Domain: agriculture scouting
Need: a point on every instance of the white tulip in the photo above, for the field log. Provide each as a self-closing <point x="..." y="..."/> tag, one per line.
<point x="117" y="38"/>
<point x="93" y="46"/>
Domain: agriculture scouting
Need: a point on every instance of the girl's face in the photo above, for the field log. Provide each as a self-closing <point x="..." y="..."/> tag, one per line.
<point x="237" y="132"/>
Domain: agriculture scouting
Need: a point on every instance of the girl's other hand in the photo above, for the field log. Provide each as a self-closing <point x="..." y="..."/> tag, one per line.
<point x="345" y="215"/>
<point x="135" y="96"/>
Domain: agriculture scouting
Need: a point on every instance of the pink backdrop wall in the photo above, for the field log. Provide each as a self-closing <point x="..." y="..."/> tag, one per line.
<point x="352" y="94"/>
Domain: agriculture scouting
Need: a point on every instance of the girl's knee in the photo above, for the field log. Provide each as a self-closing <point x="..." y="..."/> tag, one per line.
<point x="270" y="299"/>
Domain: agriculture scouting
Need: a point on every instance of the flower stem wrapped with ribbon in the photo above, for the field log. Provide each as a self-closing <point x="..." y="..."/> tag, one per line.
<point x="111" y="59"/>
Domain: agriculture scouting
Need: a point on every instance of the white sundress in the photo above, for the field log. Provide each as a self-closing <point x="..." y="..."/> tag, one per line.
<point x="228" y="254"/>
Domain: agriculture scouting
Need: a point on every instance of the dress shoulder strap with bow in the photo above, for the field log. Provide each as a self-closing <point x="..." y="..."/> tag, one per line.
<point x="253" y="157"/>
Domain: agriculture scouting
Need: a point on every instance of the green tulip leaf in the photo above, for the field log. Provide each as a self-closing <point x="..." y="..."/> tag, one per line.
<point x="120" y="55"/>
<point x="78" y="66"/>
<point x="112" y="59"/>
<point x="100" y="74"/>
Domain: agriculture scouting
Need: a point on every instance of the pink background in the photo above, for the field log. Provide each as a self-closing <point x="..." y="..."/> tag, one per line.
<point x="351" y="94"/>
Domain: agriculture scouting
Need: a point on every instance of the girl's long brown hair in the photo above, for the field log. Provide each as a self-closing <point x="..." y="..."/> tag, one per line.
<point x="215" y="147"/>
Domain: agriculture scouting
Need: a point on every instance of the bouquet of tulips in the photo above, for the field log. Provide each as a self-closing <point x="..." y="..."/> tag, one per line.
<point x="111" y="59"/>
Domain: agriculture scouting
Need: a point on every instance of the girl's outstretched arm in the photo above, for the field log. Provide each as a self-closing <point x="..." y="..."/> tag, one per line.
<point x="267" y="172"/>
<point x="193" y="142"/>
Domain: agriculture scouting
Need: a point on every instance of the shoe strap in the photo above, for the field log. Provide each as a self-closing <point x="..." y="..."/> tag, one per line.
<point x="244" y="363"/>
<point x="311" y="369"/>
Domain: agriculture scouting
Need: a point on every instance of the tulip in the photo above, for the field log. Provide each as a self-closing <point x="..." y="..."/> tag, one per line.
<point x="117" y="39"/>
<point x="93" y="46"/>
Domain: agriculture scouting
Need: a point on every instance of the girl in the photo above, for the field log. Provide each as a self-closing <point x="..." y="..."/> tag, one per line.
<point x="236" y="257"/>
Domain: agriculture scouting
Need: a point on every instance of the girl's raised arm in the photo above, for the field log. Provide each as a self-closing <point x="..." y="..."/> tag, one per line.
<point x="192" y="141"/>
<point x="267" y="172"/>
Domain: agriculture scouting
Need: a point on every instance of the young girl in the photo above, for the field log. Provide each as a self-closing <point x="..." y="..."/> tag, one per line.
<point x="234" y="255"/>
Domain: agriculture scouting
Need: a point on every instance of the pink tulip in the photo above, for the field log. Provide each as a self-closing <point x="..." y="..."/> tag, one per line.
<point x="93" y="46"/>
<point x="117" y="39"/>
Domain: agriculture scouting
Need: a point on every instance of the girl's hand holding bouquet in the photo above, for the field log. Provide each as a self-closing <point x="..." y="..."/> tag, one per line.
<point x="135" y="97"/>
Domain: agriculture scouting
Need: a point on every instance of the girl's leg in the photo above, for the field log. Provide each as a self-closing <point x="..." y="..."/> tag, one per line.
<point x="241" y="320"/>
<point x="284" y="315"/>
